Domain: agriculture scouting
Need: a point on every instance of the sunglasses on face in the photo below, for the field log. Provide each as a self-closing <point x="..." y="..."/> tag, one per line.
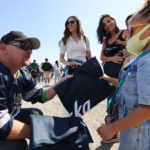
<point x="71" y="22"/>
<point x="130" y="28"/>
<point x="21" y="45"/>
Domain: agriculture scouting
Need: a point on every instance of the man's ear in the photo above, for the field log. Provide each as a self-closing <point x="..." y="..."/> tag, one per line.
<point x="2" y="46"/>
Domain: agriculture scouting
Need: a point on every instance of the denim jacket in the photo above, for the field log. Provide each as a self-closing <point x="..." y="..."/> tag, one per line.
<point x="135" y="91"/>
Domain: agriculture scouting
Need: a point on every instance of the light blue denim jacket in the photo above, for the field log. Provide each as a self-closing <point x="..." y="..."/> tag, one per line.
<point x="135" y="91"/>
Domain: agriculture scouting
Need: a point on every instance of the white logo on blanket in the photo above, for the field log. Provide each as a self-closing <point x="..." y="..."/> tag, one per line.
<point x="81" y="109"/>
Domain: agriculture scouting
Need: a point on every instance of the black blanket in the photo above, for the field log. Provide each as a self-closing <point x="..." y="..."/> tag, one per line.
<point x="54" y="133"/>
<point x="82" y="92"/>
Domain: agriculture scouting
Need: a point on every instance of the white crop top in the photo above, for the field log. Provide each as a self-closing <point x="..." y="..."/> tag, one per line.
<point x="75" y="50"/>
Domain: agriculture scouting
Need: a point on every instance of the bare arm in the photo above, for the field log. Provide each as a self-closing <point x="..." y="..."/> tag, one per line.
<point x="72" y="64"/>
<point x="62" y="60"/>
<point x="107" y="131"/>
<point x="19" y="131"/>
<point x="88" y="53"/>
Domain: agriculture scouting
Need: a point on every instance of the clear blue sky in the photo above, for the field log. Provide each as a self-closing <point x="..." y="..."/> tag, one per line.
<point x="45" y="20"/>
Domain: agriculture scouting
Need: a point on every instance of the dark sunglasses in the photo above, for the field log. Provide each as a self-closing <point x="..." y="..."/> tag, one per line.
<point x="22" y="45"/>
<point x="71" y="22"/>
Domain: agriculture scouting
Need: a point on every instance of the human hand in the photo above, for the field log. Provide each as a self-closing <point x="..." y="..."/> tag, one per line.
<point x="117" y="59"/>
<point x="106" y="131"/>
<point x="67" y="77"/>
<point x="105" y="77"/>
<point x="114" y="81"/>
<point x="125" y="53"/>
<point x="73" y="64"/>
<point x="119" y="42"/>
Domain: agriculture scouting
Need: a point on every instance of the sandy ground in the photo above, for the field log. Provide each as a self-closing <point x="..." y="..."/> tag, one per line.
<point x="93" y="119"/>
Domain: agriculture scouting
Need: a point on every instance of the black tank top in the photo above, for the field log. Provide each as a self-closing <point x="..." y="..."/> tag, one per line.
<point x="110" y="68"/>
<point x="114" y="48"/>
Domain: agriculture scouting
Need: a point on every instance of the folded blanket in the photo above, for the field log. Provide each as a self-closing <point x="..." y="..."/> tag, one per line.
<point x="54" y="133"/>
<point x="82" y="92"/>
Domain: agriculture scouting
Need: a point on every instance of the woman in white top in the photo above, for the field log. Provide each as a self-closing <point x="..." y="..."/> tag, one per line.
<point x="74" y="44"/>
<point x="57" y="71"/>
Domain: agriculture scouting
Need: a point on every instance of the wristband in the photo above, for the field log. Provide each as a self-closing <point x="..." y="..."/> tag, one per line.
<point x="44" y="98"/>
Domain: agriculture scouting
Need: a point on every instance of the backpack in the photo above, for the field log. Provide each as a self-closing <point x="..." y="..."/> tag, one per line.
<point x="34" y="73"/>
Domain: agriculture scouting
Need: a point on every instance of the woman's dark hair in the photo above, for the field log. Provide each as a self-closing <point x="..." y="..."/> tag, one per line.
<point x="101" y="31"/>
<point x="67" y="33"/>
<point x="56" y="62"/>
<point x="128" y="18"/>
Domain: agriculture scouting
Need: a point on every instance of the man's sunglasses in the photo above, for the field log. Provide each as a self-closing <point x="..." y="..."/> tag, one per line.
<point x="21" y="45"/>
<point x="71" y="22"/>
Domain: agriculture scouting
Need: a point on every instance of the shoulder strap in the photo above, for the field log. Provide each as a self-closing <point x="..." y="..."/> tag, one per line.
<point x="120" y="35"/>
<point x="84" y="38"/>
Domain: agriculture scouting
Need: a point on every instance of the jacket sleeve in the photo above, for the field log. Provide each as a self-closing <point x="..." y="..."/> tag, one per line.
<point x="30" y="90"/>
<point x="6" y="119"/>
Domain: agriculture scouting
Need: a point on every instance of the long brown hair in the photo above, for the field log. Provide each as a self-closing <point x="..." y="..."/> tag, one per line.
<point x="67" y="33"/>
<point x="101" y="31"/>
<point x="143" y="12"/>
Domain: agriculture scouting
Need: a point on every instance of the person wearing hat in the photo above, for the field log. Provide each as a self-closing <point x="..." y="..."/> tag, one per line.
<point x="16" y="84"/>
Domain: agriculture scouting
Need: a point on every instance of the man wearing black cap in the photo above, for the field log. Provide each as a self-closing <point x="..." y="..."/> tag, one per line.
<point x="16" y="84"/>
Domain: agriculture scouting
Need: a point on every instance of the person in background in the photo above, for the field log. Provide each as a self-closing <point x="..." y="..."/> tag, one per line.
<point x="113" y="42"/>
<point x="74" y="44"/>
<point x="56" y="71"/>
<point x="47" y="67"/>
<point x="34" y="69"/>
<point x="41" y="75"/>
<point x="128" y="57"/>
<point x="18" y="85"/>
<point x="133" y="95"/>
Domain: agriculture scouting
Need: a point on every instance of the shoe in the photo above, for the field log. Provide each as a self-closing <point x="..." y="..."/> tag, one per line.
<point x="113" y="140"/>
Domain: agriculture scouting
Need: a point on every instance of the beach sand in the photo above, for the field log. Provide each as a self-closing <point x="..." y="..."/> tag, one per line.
<point x="93" y="119"/>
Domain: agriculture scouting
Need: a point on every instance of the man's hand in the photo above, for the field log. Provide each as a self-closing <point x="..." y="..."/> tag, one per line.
<point x="50" y="93"/>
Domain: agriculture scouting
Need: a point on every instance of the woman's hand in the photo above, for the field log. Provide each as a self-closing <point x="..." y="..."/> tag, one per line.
<point x="125" y="53"/>
<point x="121" y="42"/>
<point x="73" y="64"/>
<point x="67" y="77"/>
<point x="106" y="131"/>
<point x="114" y="81"/>
<point x="117" y="59"/>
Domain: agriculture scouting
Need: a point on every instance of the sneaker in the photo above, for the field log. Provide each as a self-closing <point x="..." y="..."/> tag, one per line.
<point x="113" y="140"/>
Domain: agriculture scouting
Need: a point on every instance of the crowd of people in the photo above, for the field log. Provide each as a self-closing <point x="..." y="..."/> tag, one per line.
<point x="125" y="60"/>
<point x="45" y="71"/>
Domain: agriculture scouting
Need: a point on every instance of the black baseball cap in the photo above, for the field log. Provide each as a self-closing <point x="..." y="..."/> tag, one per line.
<point x="19" y="36"/>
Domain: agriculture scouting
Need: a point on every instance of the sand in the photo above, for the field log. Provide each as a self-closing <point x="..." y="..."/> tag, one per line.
<point x="93" y="119"/>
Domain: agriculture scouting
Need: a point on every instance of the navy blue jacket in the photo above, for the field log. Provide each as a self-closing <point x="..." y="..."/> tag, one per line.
<point x="12" y="92"/>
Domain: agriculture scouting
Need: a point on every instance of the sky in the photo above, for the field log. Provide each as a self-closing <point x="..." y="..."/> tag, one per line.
<point x="45" y="19"/>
